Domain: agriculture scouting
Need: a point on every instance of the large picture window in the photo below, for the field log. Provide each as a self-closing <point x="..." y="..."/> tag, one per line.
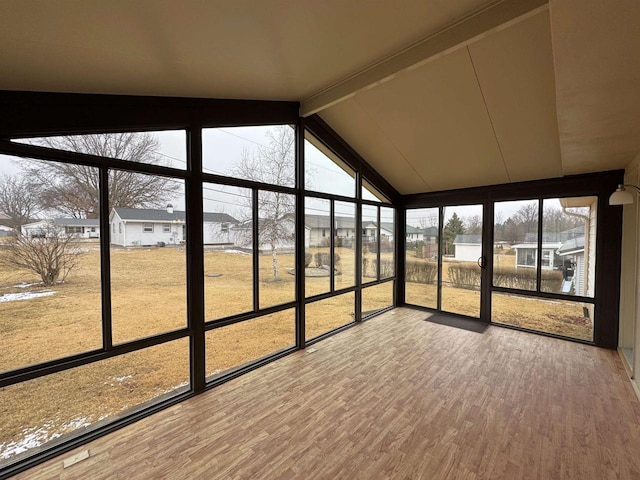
<point x="179" y="267"/>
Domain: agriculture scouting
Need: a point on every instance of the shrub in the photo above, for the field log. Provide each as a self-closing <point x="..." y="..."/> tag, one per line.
<point x="385" y="245"/>
<point x="370" y="267"/>
<point x="525" y="278"/>
<point x="509" y="277"/>
<point x="323" y="258"/>
<point x="421" y="272"/>
<point x="552" y="281"/>
<point x="386" y="268"/>
<point x="307" y="259"/>
<point x="465" y="275"/>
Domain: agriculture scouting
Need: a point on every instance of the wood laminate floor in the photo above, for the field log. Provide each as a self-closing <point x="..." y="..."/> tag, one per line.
<point x="395" y="397"/>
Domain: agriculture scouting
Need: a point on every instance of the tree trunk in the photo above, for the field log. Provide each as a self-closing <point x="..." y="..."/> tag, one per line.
<point x="274" y="256"/>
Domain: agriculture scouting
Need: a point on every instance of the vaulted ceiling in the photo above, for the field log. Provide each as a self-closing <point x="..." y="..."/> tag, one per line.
<point x="434" y="94"/>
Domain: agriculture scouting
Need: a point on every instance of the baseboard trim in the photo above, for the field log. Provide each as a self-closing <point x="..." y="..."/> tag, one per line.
<point x="636" y="388"/>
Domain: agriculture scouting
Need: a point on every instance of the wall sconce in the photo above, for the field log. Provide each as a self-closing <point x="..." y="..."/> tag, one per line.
<point x="622" y="196"/>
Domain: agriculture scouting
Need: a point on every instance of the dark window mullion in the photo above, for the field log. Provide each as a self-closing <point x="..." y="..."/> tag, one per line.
<point x="195" y="259"/>
<point x="300" y="242"/>
<point x="440" y="245"/>
<point x="332" y="216"/>
<point x="105" y="258"/>
<point x="358" y="294"/>
<point x="378" y="241"/>
<point x="539" y="255"/>
<point x="255" y="221"/>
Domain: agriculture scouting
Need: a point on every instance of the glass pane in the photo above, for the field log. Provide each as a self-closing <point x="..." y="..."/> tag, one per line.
<point x="51" y="410"/>
<point x="166" y="148"/>
<point x="148" y="260"/>
<point x="317" y="222"/>
<point x="369" y="243"/>
<point x="422" y="257"/>
<point x="345" y="244"/>
<point x="324" y="171"/>
<point x="261" y="153"/>
<point x="50" y="293"/>
<point x="276" y="237"/>
<point x="377" y="298"/>
<point x="236" y="345"/>
<point x="462" y="245"/>
<point x="369" y="192"/>
<point x="569" y="245"/>
<point x="387" y="243"/>
<point x="560" y="317"/>
<point x="515" y="248"/>
<point x="329" y="314"/>
<point x="228" y="247"/>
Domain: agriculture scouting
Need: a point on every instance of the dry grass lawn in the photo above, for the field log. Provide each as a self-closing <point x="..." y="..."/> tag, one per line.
<point x="551" y="316"/>
<point x="148" y="298"/>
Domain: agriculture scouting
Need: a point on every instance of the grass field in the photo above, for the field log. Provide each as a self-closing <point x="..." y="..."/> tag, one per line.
<point x="148" y="289"/>
<point x="148" y="292"/>
<point x="553" y="316"/>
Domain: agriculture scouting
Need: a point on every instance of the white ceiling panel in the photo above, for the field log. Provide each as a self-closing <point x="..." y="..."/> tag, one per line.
<point x="515" y="72"/>
<point x="276" y="49"/>
<point x="363" y="134"/>
<point x="436" y="118"/>
<point x="596" y="51"/>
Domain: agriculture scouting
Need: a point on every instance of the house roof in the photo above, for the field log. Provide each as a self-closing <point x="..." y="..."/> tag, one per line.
<point x="428" y="231"/>
<point x="532" y="237"/>
<point x="161" y="215"/>
<point x="468" y="240"/>
<point x="77" y="222"/>
<point x="534" y="245"/>
<point x="575" y="245"/>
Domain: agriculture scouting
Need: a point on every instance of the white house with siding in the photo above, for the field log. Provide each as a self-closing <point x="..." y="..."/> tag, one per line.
<point x="148" y="226"/>
<point x="467" y="248"/>
<point x="78" y="227"/>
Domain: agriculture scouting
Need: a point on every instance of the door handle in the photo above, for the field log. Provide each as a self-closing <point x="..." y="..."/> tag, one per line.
<point x="481" y="262"/>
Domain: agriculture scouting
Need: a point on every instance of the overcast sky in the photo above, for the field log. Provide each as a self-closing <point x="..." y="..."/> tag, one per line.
<point x="223" y="148"/>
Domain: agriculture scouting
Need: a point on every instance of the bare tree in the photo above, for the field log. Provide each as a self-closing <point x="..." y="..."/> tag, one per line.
<point x="19" y="200"/>
<point x="50" y="255"/>
<point x="273" y="164"/>
<point x="74" y="190"/>
<point x="430" y="221"/>
<point x="473" y="225"/>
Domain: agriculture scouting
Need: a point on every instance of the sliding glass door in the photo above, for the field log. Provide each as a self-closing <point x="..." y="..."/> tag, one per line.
<point x="461" y="260"/>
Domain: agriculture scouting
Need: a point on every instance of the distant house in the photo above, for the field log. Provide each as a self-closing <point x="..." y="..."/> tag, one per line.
<point x="527" y="254"/>
<point x="241" y="234"/>
<point x="148" y="226"/>
<point x="319" y="227"/>
<point x="345" y="229"/>
<point x="527" y="251"/>
<point x="78" y="227"/>
<point x="427" y="235"/>
<point x="6" y="231"/>
<point x="574" y="267"/>
<point x="467" y="248"/>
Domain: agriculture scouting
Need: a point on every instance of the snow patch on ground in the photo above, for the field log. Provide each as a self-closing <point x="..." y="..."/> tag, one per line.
<point x="12" y="297"/>
<point x="38" y="436"/>
<point x="237" y="251"/>
<point x="26" y="285"/>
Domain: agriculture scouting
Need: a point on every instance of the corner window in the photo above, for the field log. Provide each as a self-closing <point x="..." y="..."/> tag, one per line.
<point x="166" y="228"/>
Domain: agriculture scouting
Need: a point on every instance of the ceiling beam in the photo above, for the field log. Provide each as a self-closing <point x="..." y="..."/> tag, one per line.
<point x="462" y="33"/>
